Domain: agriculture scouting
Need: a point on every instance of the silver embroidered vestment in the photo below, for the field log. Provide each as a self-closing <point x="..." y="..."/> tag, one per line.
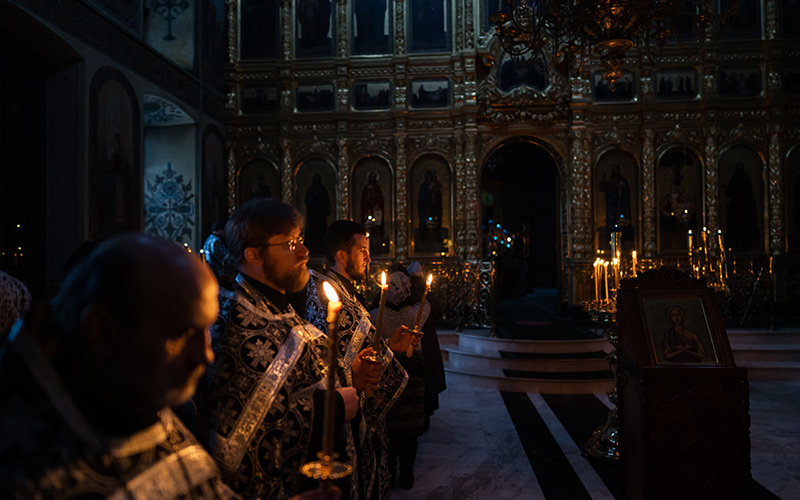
<point x="258" y="396"/>
<point x="49" y="450"/>
<point x="356" y="333"/>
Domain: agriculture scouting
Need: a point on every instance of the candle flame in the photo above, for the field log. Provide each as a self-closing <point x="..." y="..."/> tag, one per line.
<point x="383" y="278"/>
<point x="633" y="254"/>
<point x="430" y="279"/>
<point x="330" y="292"/>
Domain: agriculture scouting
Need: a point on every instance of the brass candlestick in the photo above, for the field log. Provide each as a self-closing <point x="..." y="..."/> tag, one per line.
<point x="327" y="469"/>
<point x="604" y="442"/>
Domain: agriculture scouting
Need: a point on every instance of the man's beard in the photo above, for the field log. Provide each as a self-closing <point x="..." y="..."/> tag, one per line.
<point x="355" y="275"/>
<point x="291" y="280"/>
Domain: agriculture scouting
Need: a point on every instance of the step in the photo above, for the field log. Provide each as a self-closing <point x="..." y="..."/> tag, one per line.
<point x="468" y="359"/>
<point x="496" y="379"/>
<point x="769" y="352"/>
<point x="784" y="337"/>
<point x="491" y="344"/>
<point x="760" y="370"/>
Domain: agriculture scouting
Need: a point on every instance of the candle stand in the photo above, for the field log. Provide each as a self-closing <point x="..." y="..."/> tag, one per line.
<point x="604" y="442"/>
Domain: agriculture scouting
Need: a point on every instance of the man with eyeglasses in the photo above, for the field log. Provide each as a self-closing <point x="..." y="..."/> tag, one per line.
<point x="347" y="252"/>
<point x="262" y="400"/>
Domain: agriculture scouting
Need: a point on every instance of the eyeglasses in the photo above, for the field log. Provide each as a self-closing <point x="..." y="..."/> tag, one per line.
<point x="291" y="244"/>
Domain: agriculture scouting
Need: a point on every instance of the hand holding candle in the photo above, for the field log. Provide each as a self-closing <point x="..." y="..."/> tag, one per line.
<point x="410" y="350"/>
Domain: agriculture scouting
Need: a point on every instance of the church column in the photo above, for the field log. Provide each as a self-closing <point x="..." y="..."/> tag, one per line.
<point x="777" y="236"/>
<point x="472" y="244"/>
<point x="711" y="188"/>
<point x="343" y="207"/>
<point x="457" y="232"/>
<point x="648" y="196"/>
<point x="230" y="164"/>
<point x="286" y="29"/>
<point x="399" y="28"/>
<point x="582" y="247"/>
<point x="287" y="176"/>
<point x="401" y="196"/>
<point x="771" y="19"/>
<point x="342" y="33"/>
<point x="233" y="29"/>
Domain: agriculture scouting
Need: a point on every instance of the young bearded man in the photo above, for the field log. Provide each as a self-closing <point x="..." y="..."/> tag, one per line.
<point x="347" y="252"/>
<point x="263" y="398"/>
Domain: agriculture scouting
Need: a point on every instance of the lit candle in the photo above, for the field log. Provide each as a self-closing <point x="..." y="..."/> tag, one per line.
<point x="633" y="261"/>
<point x="376" y="342"/>
<point x="334" y="308"/>
<point x="410" y="350"/>
<point x="605" y="276"/>
<point x="596" y="280"/>
<point x="691" y="252"/>
<point x="705" y="250"/>
<point x="615" y="266"/>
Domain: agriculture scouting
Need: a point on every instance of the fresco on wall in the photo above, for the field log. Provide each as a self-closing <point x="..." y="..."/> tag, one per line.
<point x="115" y="177"/>
<point x="741" y="198"/>
<point x="791" y="194"/>
<point x="679" y="197"/>
<point x="430" y="93"/>
<point x="315" y="198"/>
<point x="258" y="21"/>
<point x="258" y="179"/>
<point x="315" y="97"/>
<point x="739" y="82"/>
<point x="616" y="199"/>
<point x="372" y="27"/>
<point x="314" y="28"/>
<point x="429" y="22"/>
<point x="169" y="27"/>
<point x="214" y="198"/>
<point x="372" y="207"/>
<point x="429" y="187"/>
<point x="170" y="206"/>
<point x="372" y="95"/>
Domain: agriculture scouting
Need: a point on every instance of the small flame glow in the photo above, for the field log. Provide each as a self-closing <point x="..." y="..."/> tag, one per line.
<point x="330" y="292"/>
<point x="383" y="278"/>
<point x="430" y="279"/>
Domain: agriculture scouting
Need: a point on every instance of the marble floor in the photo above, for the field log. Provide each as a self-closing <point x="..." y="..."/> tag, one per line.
<point x="473" y="449"/>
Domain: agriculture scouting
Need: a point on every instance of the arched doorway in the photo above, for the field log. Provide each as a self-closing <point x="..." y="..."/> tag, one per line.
<point x="520" y="193"/>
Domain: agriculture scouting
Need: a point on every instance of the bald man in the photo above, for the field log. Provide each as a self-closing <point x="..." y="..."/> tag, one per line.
<point x="85" y="392"/>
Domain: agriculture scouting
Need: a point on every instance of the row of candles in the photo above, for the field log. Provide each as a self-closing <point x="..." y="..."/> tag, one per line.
<point x="327" y="468"/>
<point x="700" y="259"/>
<point x="605" y="280"/>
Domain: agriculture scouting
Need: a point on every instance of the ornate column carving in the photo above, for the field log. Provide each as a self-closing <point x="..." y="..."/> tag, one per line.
<point x="399" y="27"/>
<point x="648" y="196"/>
<point x="343" y="208"/>
<point x="401" y="197"/>
<point x="230" y="164"/>
<point x="458" y="43"/>
<point x="457" y="233"/>
<point x="771" y="19"/>
<point x="286" y="29"/>
<point x="469" y="25"/>
<point x="582" y="245"/>
<point x="711" y="185"/>
<point x="233" y="30"/>
<point x="287" y="176"/>
<point x="342" y="33"/>
<point x="472" y="239"/>
<point x="777" y="237"/>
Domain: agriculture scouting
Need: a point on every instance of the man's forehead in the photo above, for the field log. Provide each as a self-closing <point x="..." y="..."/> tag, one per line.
<point x="293" y="232"/>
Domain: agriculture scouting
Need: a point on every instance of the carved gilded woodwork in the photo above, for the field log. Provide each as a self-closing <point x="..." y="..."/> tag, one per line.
<point x="777" y="236"/>
<point x="563" y="118"/>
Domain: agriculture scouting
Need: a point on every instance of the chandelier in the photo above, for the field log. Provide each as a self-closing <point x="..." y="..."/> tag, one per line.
<point x="564" y="30"/>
